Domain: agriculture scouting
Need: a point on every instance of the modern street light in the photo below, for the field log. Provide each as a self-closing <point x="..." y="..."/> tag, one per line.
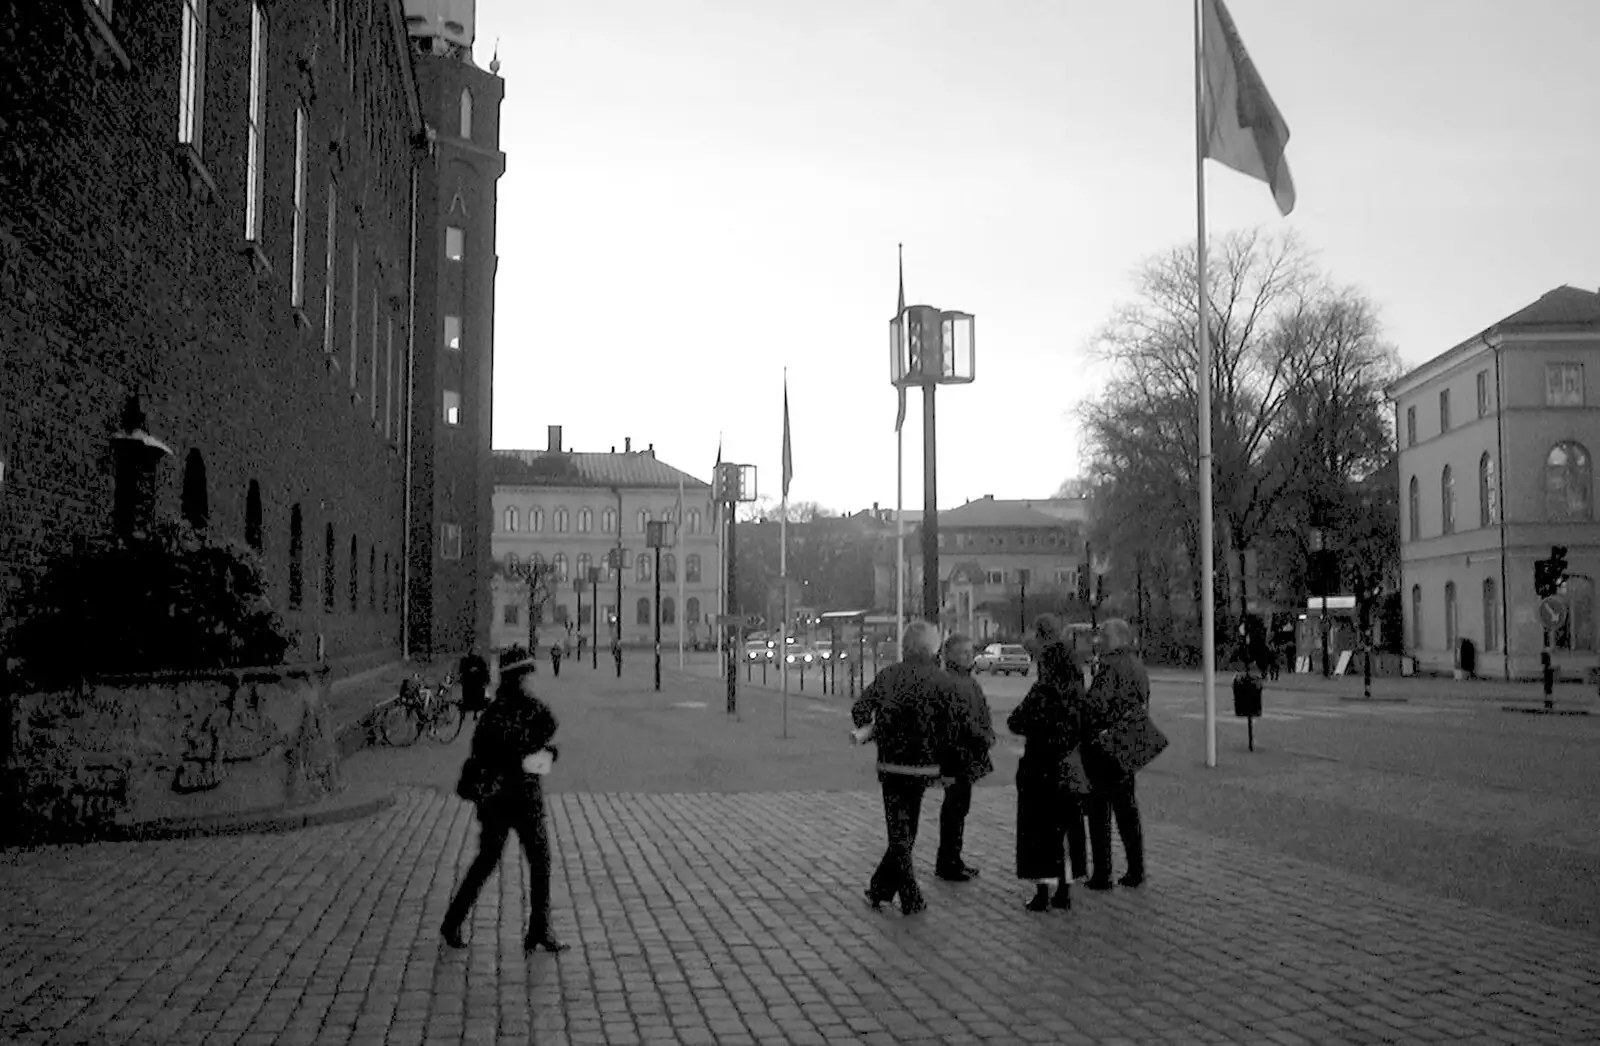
<point x="594" y="635"/>
<point x="619" y="559"/>
<point x="929" y="348"/>
<point x="655" y="536"/>
<point x="732" y="485"/>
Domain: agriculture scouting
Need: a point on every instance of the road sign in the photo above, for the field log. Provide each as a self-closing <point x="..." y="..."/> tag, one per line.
<point x="1552" y="611"/>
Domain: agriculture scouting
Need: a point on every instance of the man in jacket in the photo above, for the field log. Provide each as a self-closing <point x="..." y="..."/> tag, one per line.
<point x="974" y="738"/>
<point x="911" y="708"/>
<point x="1121" y="690"/>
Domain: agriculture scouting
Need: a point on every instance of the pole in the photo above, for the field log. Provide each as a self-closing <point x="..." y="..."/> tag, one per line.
<point x="1366" y="660"/>
<point x="783" y="560"/>
<point x="579" y="589"/>
<point x="617" y="638"/>
<point x="658" y="622"/>
<point x="1208" y="637"/>
<point x="930" y="506"/>
<point x="1022" y="609"/>
<point x="594" y="639"/>
<point x="1327" y="665"/>
<point x="677" y="535"/>
<point x="732" y="598"/>
<point x="900" y="537"/>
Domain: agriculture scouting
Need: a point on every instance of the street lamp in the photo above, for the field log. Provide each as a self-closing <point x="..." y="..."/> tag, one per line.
<point x="577" y="586"/>
<point x="655" y="536"/>
<point x="594" y="635"/>
<point x="1322" y="578"/>
<point x="619" y="559"/>
<point x="930" y="348"/>
<point x="733" y="484"/>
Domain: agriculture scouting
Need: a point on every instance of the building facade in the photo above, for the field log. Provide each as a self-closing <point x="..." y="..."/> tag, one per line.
<point x="210" y="209"/>
<point x="1496" y="438"/>
<point x="568" y="510"/>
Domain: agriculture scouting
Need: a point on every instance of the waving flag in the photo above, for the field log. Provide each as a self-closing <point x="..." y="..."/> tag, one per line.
<point x="1242" y="128"/>
<point x="788" y="455"/>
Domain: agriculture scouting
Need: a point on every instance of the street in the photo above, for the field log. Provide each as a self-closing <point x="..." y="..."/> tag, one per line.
<point x="1386" y="873"/>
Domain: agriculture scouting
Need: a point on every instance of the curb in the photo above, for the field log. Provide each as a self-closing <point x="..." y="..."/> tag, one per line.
<point x="1543" y="711"/>
<point x="248" y="824"/>
<point x="1374" y="700"/>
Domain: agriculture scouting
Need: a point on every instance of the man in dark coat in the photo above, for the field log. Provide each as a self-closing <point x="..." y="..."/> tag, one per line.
<point x="1121" y="690"/>
<point x="910" y="707"/>
<point x="474" y="672"/>
<point x="975" y="737"/>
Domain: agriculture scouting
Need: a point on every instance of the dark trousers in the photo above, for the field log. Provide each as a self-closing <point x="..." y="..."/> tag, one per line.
<point x="902" y="806"/>
<point x="953" y="824"/>
<point x="496" y="827"/>
<point x="1077" y="837"/>
<point x="555" y="665"/>
<point x="1116" y="801"/>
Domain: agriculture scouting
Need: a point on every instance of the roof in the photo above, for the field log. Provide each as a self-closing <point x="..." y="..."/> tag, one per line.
<point x="632" y="469"/>
<point x="1566" y="309"/>
<point x="987" y="512"/>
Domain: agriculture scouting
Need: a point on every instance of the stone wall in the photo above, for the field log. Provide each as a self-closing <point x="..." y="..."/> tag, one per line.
<point x="125" y="751"/>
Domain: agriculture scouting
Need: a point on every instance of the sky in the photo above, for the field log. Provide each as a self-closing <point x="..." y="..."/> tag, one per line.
<point x="700" y="193"/>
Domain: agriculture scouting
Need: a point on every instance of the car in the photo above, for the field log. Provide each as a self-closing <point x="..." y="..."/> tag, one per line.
<point x="757" y="650"/>
<point x="800" y="655"/>
<point x="1003" y="658"/>
<point x="823" y="648"/>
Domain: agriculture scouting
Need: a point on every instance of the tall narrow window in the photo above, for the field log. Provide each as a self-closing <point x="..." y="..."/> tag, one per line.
<point x="330" y="270"/>
<point x="355" y="308"/>
<point x="1411" y="426"/>
<point x="386" y="582"/>
<point x="450" y="540"/>
<point x="466" y="113"/>
<point x="691" y="611"/>
<point x="536" y="518"/>
<point x="1568" y="483"/>
<point x="608" y="521"/>
<point x="372" y="577"/>
<point x="585" y="563"/>
<point x="691" y="568"/>
<point x="642" y="568"/>
<point x="255" y="155"/>
<point x="196" y="502"/>
<point x="454" y="242"/>
<point x="694" y="521"/>
<point x="1452" y="632"/>
<point x="558" y="564"/>
<point x="452" y="332"/>
<point x="252" y="515"/>
<point x="1491" y="615"/>
<point x="510" y="525"/>
<point x="1487" y="495"/>
<point x="641" y="612"/>
<point x="388" y="381"/>
<point x="297" y="551"/>
<point x="1447" y="501"/>
<point x="585" y="520"/>
<point x="330" y="573"/>
<point x="452" y="407"/>
<point x="669" y="567"/>
<point x="1444" y="410"/>
<point x="1416" y="618"/>
<point x="1414" y="510"/>
<point x="192" y="77"/>
<point x="560" y="520"/>
<point x="644" y="519"/>
<point x="297" y="271"/>
<point x="669" y="611"/>
<point x="1483" y="393"/>
<point x="372" y="360"/>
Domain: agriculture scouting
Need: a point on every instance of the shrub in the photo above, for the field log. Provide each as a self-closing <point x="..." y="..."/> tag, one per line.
<point x="166" y="598"/>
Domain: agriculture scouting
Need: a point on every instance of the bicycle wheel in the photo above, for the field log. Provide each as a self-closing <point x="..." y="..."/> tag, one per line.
<point x="398" y="725"/>
<point x="446" y="725"/>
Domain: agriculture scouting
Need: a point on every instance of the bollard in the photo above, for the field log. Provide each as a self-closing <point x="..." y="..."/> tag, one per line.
<point x="1549" y="673"/>
<point x="1247" y="703"/>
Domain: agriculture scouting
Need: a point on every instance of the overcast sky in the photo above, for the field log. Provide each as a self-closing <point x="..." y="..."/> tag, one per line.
<point x="701" y="192"/>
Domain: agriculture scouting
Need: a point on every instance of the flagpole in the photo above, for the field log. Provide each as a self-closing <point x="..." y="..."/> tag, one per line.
<point x="783" y="558"/>
<point x="722" y="566"/>
<point x="1208" y="638"/>
<point x="900" y="485"/>
<point x="682" y="615"/>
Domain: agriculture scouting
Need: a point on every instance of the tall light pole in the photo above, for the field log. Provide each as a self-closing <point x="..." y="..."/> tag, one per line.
<point x="619" y="559"/>
<point x="1322" y="574"/>
<point x="929" y="348"/>
<point x="577" y="586"/>
<point x="732" y="485"/>
<point x="656" y="536"/>
<point x="594" y="599"/>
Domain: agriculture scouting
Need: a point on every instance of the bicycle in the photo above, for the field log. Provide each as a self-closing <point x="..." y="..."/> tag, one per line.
<point x="418" y="709"/>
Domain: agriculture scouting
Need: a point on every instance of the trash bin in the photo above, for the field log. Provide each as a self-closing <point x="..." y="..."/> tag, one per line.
<point x="1246" y="696"/>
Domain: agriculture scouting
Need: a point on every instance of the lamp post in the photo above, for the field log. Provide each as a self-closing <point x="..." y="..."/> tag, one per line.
<point x="619" y="559"/>
<point x="577" y="586"/>
<point x="655" y="535"/>
<point x="594" y="609"/>
<point x="733" y="484"/>
<point x="1322" y="575"/>
<point x="929" y="348"/>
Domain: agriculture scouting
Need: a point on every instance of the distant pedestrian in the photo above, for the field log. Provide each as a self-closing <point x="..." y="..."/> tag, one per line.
<point x="474" y="672"/>
<point x="910" y="709"/>
<point x="975" y="736"/>
<point x="1120" y="691"/>
<point x="583" y="641"/>
<point x="616" y="655"/>
<point x="555" y="658"/>
<point x="511" y="749"/>
<point x="1048" y="810"/>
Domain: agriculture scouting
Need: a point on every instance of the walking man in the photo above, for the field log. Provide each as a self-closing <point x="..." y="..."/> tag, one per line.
<point x="555" y="657"/>
<point x="976" y="736"/>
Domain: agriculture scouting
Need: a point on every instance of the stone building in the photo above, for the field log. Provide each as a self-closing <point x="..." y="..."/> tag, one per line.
<point x="234" y="214"/>
<point x="1496" y="442"/>
<point x="568" y="509"/>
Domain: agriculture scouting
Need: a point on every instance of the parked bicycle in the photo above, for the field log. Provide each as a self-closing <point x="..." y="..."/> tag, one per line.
<point x="420" y="709"/>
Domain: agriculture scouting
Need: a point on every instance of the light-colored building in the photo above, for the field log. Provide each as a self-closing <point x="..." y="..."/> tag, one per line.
<point x="569" y="509"/>
<point x="1496" y="466"/>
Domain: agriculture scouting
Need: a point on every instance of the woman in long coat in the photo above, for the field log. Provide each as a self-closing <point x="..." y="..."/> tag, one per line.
<point x="1048" y="719"/>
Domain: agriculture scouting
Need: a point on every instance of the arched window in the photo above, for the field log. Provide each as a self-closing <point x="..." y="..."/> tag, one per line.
<point x="694" y="521"/>
<point x="669" y="611"/>
<point x="608" y="521"/>
<point x="561" y="520"/>
<point x="644" y="519"/>
<point x="1447" y="501"/>
<point x="330" y="572"/>
<point x="510" y="524"/>
<point x="536" y="519"/>
<point x="558" y="563"/>
<point x="466" y="113"/>
<point x="297" y="550"/>
<point x="643" y="567"/>
<point x="355" y="574"/>
<point x="1414" y="510"/>
<point x="1416" y="616"/>
<point x="691" y="610"/>
<point x="691" y="567"/>
<point x="585" y="520"/>
<point x="252" y="516"/>
<point x="669" y="567"/>
<point x="372" y="577"/>
<point x="196" y="503"/>
<point x="1488" y="497"/>
<point x="641" y="612"/>
<point x="1491" y="615"/>
<point x="1568" y="491"/>
<point x="1577" y="631"/>
<point x="1452" y="630"/>
<point x="584" y="563"/>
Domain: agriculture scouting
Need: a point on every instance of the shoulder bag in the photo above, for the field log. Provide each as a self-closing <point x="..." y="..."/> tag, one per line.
<point x="477" y="782"/>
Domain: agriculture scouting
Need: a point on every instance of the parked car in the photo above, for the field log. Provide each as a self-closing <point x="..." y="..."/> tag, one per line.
<point x="800" y="655"/>
<point x="823" y="648"/>
<point x="1003" y="658"/>
<point x="758" y="650"/>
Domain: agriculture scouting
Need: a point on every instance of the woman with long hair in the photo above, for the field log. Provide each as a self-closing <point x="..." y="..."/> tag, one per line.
<point x="511" y="750"/>
<point x="1049" y="721"/>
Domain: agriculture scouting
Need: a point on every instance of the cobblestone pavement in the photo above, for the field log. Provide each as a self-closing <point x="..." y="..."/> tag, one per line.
<point x="737" y="919"/>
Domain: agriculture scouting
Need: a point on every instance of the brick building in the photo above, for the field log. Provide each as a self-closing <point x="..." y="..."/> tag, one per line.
<point x="218" y="208"/>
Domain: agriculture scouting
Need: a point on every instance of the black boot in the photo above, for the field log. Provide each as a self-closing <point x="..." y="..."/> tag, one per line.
<point x="1041" y="899"/>
<point x="1063" y="897"/>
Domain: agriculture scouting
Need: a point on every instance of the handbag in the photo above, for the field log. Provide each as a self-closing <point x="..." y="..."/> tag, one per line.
<point x="1130" y="745"/>
<point x="1074" y="778"/>
<point x="477" y="782"/>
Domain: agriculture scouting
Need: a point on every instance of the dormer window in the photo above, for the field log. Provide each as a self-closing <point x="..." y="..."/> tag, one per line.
<point x="466" y="113"/>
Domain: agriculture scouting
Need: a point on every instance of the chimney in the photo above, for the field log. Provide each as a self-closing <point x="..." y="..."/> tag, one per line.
<point x="613" y="448"/>
<point x="627" y="444"/>
<point x="554" y="438"/>
<point x="651" y="450"/>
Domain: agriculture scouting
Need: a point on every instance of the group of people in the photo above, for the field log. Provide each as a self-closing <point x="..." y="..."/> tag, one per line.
<point x="932" y="724"/>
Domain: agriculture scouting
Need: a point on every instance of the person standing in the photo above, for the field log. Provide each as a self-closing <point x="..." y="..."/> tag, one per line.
<point x="1050" y="720"/>
<point x="910" y="707"/>
<point x="510" y="741"/>
<point x="555" y="658"/>
<point x="975" y="738"/>
<point x="474" y="673"/>
<point x="1121" y="691"/>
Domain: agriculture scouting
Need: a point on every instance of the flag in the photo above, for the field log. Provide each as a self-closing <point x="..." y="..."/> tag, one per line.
<point x="1242" y="128"/>
<point x="900" y="314"/>
<point x="716" y="471"/>
<point x="788" y="455"/>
